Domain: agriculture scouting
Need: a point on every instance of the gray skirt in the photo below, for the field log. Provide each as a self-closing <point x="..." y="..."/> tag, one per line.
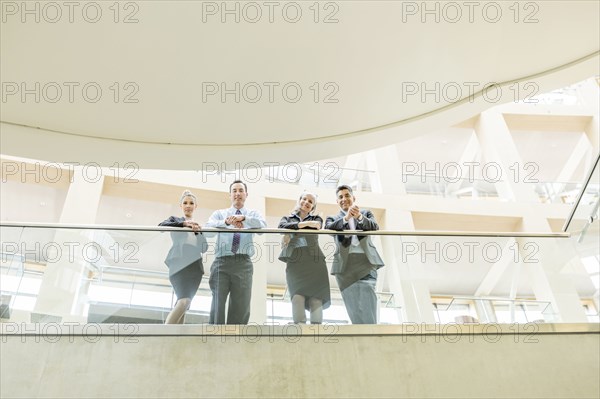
<point x="307" y="275"/>
<point x="186" y="281"/>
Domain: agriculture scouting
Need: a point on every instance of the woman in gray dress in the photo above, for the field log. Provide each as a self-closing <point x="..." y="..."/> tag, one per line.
<point x="184" y="259"/>
<point x="306" y="271"/>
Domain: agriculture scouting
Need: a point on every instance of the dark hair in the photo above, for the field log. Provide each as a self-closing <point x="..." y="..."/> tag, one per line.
<point x="344" y="187"/>
<point x="236" y="182"/>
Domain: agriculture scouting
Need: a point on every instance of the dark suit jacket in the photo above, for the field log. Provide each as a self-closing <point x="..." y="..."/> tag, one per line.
<point x="343" y="242"/>
<point x="186" y="249"/>
<point x="299" y="240"/>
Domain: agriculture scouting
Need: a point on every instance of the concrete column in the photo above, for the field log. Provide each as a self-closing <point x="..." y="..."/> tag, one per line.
<point x="498" y="270"/>
<point x="468" y="156"/>
<point x="263" y="260"/>
<point x="501" y="156"/>
<point x="411" y="294"/>
<point x="592" y="131"/>
<point x="62" y="280"/>
<point x="485" y="311"/>
<point x="551" y="284"/>
<point x="582" y="148"/>
<point x="385" y="163"/>
<point x="349" y="175"/>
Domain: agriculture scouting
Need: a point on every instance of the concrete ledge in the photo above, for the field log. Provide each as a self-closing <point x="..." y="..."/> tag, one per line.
<point x="256" y="330"/>
<point x="151" y="361"/>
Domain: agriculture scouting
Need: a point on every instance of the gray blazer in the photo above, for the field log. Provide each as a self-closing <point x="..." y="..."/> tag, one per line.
<point x="343" y="242"/>
<point x="187" y="248"/>
<point x="299" y="240"/>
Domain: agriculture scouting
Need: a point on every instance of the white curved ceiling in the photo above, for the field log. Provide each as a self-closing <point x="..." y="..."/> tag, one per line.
<point x="369" y="61"/>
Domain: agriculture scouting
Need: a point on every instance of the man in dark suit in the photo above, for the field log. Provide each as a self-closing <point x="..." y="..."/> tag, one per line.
<point x="356" y="260"/>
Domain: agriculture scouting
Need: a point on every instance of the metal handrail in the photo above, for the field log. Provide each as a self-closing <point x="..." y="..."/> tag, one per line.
<point x="436" y="233"/>
<point x="580" y="196"/>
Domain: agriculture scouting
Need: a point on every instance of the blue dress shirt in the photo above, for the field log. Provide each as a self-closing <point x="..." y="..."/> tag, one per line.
<point x="253" y="220"/>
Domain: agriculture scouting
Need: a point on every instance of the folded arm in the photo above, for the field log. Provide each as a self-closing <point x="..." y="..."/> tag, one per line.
<point x="336" y="223"/>
<point x="288" y="223"/>
<point x="254" y="220"/>
<point x="367" y="223"/>
<point x="172" y="222"/>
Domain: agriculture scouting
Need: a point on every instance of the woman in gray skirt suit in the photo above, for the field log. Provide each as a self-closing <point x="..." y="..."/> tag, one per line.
<point x="306" y="271"/>
<point x="185" y="258"/>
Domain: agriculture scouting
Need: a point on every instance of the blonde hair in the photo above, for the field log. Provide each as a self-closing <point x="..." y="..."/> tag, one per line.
<point x="188" y="193"/>
<point x="297" y="207"/>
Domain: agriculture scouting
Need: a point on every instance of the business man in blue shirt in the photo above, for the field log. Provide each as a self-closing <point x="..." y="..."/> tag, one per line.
<point x="231" y="272"/>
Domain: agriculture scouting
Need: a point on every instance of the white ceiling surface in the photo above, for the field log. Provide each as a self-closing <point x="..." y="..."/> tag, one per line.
<point x="370" y="54"/>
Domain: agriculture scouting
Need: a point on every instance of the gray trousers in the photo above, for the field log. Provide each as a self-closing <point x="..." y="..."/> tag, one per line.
<point x="231" y="276"/>
<point x="359" y="297"/>
<point x="361" y="302"/>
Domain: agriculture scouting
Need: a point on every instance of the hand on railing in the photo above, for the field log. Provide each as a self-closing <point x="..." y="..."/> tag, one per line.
<point x="195" y="226"/>
<point x="285" y="240"/>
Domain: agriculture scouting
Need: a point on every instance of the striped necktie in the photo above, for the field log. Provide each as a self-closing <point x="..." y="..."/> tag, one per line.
<point x="352" y="225"/>
<point x="235" y="245"/>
